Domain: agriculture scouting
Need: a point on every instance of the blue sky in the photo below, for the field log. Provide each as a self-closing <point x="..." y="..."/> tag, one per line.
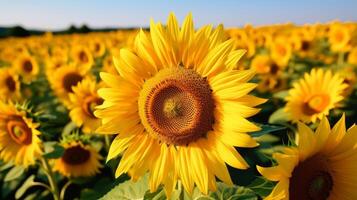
<point x="53" y="15"/>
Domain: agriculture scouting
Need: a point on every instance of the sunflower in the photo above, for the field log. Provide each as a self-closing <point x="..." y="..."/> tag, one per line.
<point x="97" y="47"/>
<point x="52" y="64"/>
<point x="27" y="66"/>
<point x="352" y="56"/>
<point x="82" y="56"/>
<point x="78" y="160"/>
<point x="19" y="137"/>
<point x="9" y="85"/>
<point x="64" y="78"/>
<point x="314" y="95"/>
<point x="108" y="65"/>
<point x="83" y="101"/>
<point x="281" y="51"/>
<point x="263" y="64"/>
<point x="339" y="38"/>
<point x="321" y="166"/>
<point x="272" y="83"/>
<point x="349" y="78"/>
<point x="176" y="103"/>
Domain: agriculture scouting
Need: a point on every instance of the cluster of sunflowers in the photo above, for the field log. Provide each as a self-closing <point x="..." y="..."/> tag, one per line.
<point x="173" y="111"/>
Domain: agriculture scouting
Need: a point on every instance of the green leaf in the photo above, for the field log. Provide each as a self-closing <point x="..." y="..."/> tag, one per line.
<point x="6" y="166"/>
<point x="269" y="138"/>
<point x="278" y="116"/>
<point x="225" y="192"/>
<point x="158" y="195"/>
<point x="14" y="173"/>
<point x="266" y="129"/>
<point x="261" y="186"/>
<point x="281" y="94"/>
<point x="68" y="128"/>
<point x="53" y="150"/>
<point x="129" y="190"/>
<point x="26" y="185"/>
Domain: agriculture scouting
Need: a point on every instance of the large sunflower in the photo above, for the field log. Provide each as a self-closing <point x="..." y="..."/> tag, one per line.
<point x="78" y="160"/>
<point x="19" y="141"/>
<point x="83" y="101"/>
<point x="314" y="95"/>
<point x="63" y="80"/>
<point x="179" y="106"/>
<point x="322" y="166"/>
<point x="9" y="85"/>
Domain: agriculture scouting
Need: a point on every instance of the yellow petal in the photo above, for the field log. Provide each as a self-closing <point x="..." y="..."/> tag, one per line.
<point x="230" y="156"/>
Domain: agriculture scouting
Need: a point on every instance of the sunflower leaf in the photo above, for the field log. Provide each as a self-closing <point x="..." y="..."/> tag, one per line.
<point x="236" y="192"/>
<point x="278" y="117"/>
<point x="281" y="94"/>
<point x="261" y="186"/>
<point x="14" y="173"/>
<point x="129" y="190"/>
<point x="266" y="129"/>
<point x="26" y="185"/>
<point x="53" y="150"/>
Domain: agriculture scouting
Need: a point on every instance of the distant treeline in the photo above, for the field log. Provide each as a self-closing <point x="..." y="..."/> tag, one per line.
<point x="18" y="31"/>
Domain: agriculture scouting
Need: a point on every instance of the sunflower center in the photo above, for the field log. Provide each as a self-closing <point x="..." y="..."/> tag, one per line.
<point x="27" y="66"/>
<point x="19" y="131"/>
<point x="316" y="104"/>
<point x="76" y="155"/>
<point x="305" y="45"/>
<point x="274" y="68"/>
<point x="339" y="36"/>
<point x="281" y="50"/>
<point x="89" y="105"/>
<point x="83" y="57"/>
<point x="311" y="179"/>
<point x="70" y="80"/>
<point x="10" y="83"/>
<point x="96" y="47"/>
<point x="176" y="105"/>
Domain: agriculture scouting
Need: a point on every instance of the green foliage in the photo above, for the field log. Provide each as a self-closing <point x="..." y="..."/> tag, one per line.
<point x="53" y="150"/>
<point x="129" y="190"/>
<point x="14" y="173"/>
<point x="278" y="117"/>
<point x="261" y="186"/>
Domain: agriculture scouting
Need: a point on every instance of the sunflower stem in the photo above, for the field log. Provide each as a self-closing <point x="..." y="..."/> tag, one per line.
<point x="51" y="179"/>
<point x="341" y="58"/>
<point x="64" y="188"/>
<point x="107" y="142"/>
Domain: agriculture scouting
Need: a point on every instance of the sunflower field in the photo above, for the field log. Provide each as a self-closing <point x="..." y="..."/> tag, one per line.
<point x="181" y="112"/>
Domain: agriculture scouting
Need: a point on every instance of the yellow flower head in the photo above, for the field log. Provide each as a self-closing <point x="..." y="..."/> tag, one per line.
<point x="83" y="101"/>
<point x="82" y="56"/>
<point x="9" y="85"/>
<point x="314" y="95"/>
<point x="263" y="64"/>
<point x="78" y="160"/>
<point x="63" y="80"/>
<point x="97" y="47"/>
<point x="339" y="38"/>
<point x="19" y="138"/>
<point x="322" y="166"/>
<point x="179" y="106"/>
<point x="281" y="51"/>
<point x="352" y="56"/>
<point x="27" y="67"/>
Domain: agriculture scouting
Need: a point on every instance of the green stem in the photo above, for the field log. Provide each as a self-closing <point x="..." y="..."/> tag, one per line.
<point x="64" y="188"/>
<point x="107" y="142"/>
<point x="51" y="179"/>
<point x="341" y="58"/>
